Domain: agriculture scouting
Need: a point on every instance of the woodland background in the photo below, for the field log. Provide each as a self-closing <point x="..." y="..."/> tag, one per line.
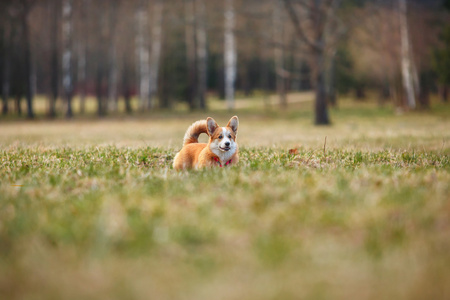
<point x="150" y="54"/>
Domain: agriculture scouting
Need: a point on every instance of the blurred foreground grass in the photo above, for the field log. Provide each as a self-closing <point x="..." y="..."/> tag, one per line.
<point x="93" y="210"/>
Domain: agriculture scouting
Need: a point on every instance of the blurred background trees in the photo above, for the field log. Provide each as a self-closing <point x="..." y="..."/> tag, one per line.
<point x="151" y="54"/>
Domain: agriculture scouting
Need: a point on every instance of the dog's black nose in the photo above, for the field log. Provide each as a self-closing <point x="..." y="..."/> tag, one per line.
<point x="227" y="144"/>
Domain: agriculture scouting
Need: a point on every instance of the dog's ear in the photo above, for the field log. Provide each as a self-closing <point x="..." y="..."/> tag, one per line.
<point x="211" y="126"/>
<point x="233" y="124"/>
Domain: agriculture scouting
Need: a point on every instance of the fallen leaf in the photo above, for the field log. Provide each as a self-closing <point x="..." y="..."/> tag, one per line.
<point x="293" y="151"/>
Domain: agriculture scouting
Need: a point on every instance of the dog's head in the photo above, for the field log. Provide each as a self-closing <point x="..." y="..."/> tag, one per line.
<point x="223" y="139"/>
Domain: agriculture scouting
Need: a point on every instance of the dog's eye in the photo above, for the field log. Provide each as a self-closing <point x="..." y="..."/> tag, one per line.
<point x="229" y="136"/>
<point x="220" y="137"/>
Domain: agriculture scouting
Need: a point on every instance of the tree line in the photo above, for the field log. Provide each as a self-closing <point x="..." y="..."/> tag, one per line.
<point x="162" y="52"/>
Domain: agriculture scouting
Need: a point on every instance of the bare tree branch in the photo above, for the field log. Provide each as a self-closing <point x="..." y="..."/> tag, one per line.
<point x="298" y="27"/>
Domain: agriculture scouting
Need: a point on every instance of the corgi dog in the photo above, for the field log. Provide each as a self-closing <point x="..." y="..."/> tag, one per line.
<point x="221" y="149"/>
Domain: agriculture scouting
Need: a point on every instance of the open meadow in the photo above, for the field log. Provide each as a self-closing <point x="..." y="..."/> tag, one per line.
<point x="92" y="209"/>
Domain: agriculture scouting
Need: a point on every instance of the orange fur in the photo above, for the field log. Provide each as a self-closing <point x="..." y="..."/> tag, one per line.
<point x="199" y="155"/>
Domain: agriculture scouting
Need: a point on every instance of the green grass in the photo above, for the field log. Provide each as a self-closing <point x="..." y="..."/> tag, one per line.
<point x="93" y="210"/>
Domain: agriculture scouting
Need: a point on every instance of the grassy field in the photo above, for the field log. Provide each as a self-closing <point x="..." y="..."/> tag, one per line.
<point x="93" y="210"/>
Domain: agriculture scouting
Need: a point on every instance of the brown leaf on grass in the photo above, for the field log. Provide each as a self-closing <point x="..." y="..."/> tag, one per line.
<point x="293" y="151"/>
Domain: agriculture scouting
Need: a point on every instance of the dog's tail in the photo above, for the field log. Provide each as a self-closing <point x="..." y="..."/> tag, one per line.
<point x="192" y="133"/>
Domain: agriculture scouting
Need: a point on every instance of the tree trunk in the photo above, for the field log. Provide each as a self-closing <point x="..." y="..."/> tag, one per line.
<point x="278" y="50"/>
<point x="83" y="53"/>
<point x="54" y="84"/>
<point x="424" y="92"/>
<point x="126" y="85"/>
<point x="18" y="104"/>
<point x="245" y="80"/>
<point x="443" y="93"/>
<point x="424" y="97"/>
<point x="127" y="100"/>
<point x="6" y="72"/>
<point x="112" y="57"/>
<point x="331" y="82"/>
<point x="196" y="53"/>
<point x="99" y="90"/>
<point x="318" y="13"/>
<point x="191" y="53"/>
<point x="143" y="54"/>
<point x="67" y="55"/>
<point x="264" y="83"/>
<point x="102" y="63"/>
<point x="202" y="53"/>
<point x="112" y="81"/>
<point x="28" y="62"/>
<point x="229" y="54"/>
<point x="407" y="75"/>
<point x="82" y="75"/>
<point x="221" y="79"/>
<point x="321" y="110"/>
<point x="155" y="50"/>
<point x="360" y="91"/>
<point x="385" y="93"/>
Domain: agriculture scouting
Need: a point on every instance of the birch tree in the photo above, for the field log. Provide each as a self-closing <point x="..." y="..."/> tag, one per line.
<point x="142" y="54"/>
<point x="155" y="49"/>
<point x="406" y="60"/>
<point x="67" y="54"/>
<point x="229" y="53"/>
